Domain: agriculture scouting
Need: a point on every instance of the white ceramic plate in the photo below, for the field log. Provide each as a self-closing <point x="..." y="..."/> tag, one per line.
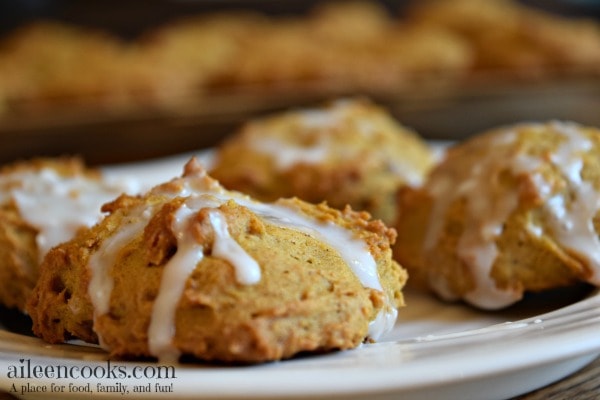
<point x="436" y="351"/>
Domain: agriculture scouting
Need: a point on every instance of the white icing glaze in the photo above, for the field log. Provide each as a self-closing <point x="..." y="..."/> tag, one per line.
<point x="571" y="225"/>
<point x="383" y="323"/>
<point x="483" y="223"/>
<point x="180" y="266"/>
<point x="325" y="118"/>
<point x="287" y="155"/>
<point x="225" y="247"/>
<point x="100" y="286"/>
<point x="314" y="118"/>
<point x="57" y="205"/>
<point x="407" y="173"/>
<point x="534" y="229"/>
<point x="102" y="261"/>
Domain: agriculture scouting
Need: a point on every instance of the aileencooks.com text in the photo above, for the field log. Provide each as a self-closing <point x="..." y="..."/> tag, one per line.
<point x="27" y="369"/>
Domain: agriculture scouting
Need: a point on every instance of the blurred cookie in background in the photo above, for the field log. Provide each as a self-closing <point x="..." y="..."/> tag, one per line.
<point x="347" y="152"/>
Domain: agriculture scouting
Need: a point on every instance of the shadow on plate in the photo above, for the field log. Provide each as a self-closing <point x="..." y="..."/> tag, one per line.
<point x="15" y="321"/>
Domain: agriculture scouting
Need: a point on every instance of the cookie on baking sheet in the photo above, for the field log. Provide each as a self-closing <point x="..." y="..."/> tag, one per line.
<point x="347" y="152"/>
<point x="512" y="38"/>
<point x="510" y="211"/>
<point x="193" y="269"/>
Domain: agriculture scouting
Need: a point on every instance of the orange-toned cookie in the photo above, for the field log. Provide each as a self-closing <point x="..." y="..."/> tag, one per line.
<point x="193" y="269"/>
<point x="510" y="211"/>
<point x="347" y="152"/>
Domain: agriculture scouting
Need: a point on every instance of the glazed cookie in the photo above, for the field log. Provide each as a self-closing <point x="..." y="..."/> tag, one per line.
<point x="511" y="211"/>
<point x="193" y="269"/>
<point x="43" y="202"/>
<point x="348" y="152"/>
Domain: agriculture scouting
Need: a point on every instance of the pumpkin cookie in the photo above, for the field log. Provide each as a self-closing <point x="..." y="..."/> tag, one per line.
<point x="511" y="211"/>
<point x="193" y="269"/>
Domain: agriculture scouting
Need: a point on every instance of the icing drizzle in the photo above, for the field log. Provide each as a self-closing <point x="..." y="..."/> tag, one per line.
<point x="314" y="142"/>
<point x="201" y="192"/>
<point x="570" y="212"/>
<point x="162" y="322"/>
<point x="57" y="205"/>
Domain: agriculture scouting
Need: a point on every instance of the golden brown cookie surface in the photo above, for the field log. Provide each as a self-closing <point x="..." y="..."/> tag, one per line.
<point x="509" y="211"/>
<point x="193" y="269"/>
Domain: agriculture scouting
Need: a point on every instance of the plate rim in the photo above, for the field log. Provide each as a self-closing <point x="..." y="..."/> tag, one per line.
<point x="388" y="372"/>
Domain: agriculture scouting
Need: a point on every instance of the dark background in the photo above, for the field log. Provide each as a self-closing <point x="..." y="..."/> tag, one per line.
<point x="129" y="18"/>
<point x="106" y="137"/>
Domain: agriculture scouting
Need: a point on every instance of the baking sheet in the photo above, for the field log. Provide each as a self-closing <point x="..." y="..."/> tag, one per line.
<point x="103" y="134"/>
